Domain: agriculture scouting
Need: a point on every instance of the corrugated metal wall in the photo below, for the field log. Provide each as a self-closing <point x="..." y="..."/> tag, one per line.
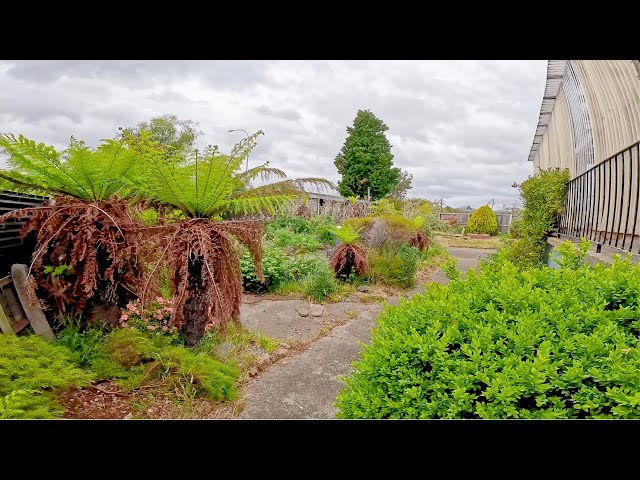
<point x="596" y="114"/>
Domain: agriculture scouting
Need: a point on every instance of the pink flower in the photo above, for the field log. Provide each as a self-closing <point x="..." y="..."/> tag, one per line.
<point x="124" y="317"/>
<point x="151" y="327"/>
<point x="165" y="328"/>
<point x="159" y="299"/>
<point x="168" y="309"/>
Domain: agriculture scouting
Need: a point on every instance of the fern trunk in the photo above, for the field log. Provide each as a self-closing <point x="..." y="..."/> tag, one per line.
<point x="196" y="306"/>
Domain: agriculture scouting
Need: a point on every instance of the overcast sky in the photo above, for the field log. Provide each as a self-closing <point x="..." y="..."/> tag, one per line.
<point x="462" y="128"/>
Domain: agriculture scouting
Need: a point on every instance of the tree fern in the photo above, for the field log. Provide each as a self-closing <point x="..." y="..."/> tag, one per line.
<point x="88" y="174"/>
<point x="208" y="184"/>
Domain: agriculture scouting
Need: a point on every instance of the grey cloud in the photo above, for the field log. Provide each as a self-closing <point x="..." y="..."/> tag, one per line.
<point x="143" y="73"/>
<point x="463" y="129"/>
<point x="285" y="113"/>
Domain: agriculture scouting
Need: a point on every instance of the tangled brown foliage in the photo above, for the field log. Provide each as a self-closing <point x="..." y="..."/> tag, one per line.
<point x="420" y="241"/>
<point x="347" y="258"/>
<point x="205" y="268"/>
<point x="303" y="211"/>
<point x="89" y="238"/>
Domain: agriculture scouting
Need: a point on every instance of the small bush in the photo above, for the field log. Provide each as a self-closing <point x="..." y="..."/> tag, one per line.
<point x="483" y="220"/>
<point x="32" y="370"/>
<point x="398" y="228"/>
<point x="278" y="268"/>
<point x="386" y="206"/>
<point x="308" y="235"/>
<point x="319" y="283"/>
<point x="507" y="344"/>
<point x="275" y="265"/>
<point x="395" y="266"/>
<point x="542" y="198"/>
<point x="295" y="243"/>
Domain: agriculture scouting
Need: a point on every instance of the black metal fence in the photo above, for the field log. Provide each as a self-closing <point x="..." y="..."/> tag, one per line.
<point x="602" y="203"/>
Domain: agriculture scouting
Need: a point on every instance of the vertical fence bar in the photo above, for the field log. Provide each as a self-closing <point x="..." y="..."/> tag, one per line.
<point x="570" y="205"/>
<point x="592" y="207"/>
<point x="585" y="213"/>
<point x="606" y="224"/>
<point x="580" y="205"/>
<point x="621" y="197"/>
<point x="615" y="199"/>
<point x="597" y="195"/>
<point x="626" y="223"/>
<point x="635" y="217"/>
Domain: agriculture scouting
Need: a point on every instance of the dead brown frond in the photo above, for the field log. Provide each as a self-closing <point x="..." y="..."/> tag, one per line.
<point x="420" y="241"/>
<point x="97" y="263"/>
<point x="303" y="211"/>
<point x="347" y="259"/>
<point x="205" y="268"/>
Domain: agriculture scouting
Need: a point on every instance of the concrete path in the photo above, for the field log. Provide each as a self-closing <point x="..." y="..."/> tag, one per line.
<point x="305" y="386"/>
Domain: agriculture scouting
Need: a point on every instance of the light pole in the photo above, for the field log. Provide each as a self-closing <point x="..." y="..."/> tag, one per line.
<point x="246" y="168"/>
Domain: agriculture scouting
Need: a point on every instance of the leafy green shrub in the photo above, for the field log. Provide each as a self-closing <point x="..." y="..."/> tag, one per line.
<point x="543" y="199"/>
<point x="278" y="267"/>
<point x="396" y="266"/>
<point x="299" y="267"/>
<point x="386" y="206"/>
<point x="571" y="255"/>
<point x="503" y="343"/>
<point x="295" y="243"/>
<point x="303" y="235"/>
<point x="319" y="283"/>
<point x="275" y="265"/>
<point x="483" y="220"/>
<point x="31" y="371"/>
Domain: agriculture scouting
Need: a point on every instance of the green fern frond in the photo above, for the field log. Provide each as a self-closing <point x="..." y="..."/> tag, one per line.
<point x="318" y="182"/>
<point x="81" y="172"/>
<point x="346" y="233"/>
<point x="271" y="204"/>
<point x="265" y="173"/>
<point x="205" y="184"/>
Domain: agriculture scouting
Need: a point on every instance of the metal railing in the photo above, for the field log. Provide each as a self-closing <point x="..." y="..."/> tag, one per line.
<point x="602" y="203"/>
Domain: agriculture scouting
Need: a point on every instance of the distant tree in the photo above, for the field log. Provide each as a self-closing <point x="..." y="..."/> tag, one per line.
<point x="365" y="160"/>
<point x="169" y="131"/>
<point x="402" y="187"/>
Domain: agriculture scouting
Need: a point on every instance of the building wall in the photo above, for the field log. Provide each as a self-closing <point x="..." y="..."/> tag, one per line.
<point x="556" y="148"/>
<point x="596" y="114"/>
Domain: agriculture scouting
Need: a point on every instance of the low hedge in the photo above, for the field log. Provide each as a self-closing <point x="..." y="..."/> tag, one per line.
<point x="483" y="220"/>
<point x="503" y="343"/>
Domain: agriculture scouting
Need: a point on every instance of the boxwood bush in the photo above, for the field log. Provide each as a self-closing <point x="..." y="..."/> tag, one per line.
<point x="483" y="220"/>
<point x="503" y="343"/>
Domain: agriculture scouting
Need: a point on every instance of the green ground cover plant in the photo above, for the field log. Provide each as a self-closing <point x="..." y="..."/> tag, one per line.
<point x="32" y="370"/>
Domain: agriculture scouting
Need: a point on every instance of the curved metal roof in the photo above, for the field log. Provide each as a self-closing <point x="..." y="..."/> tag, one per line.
<point x="555" y="73"/>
